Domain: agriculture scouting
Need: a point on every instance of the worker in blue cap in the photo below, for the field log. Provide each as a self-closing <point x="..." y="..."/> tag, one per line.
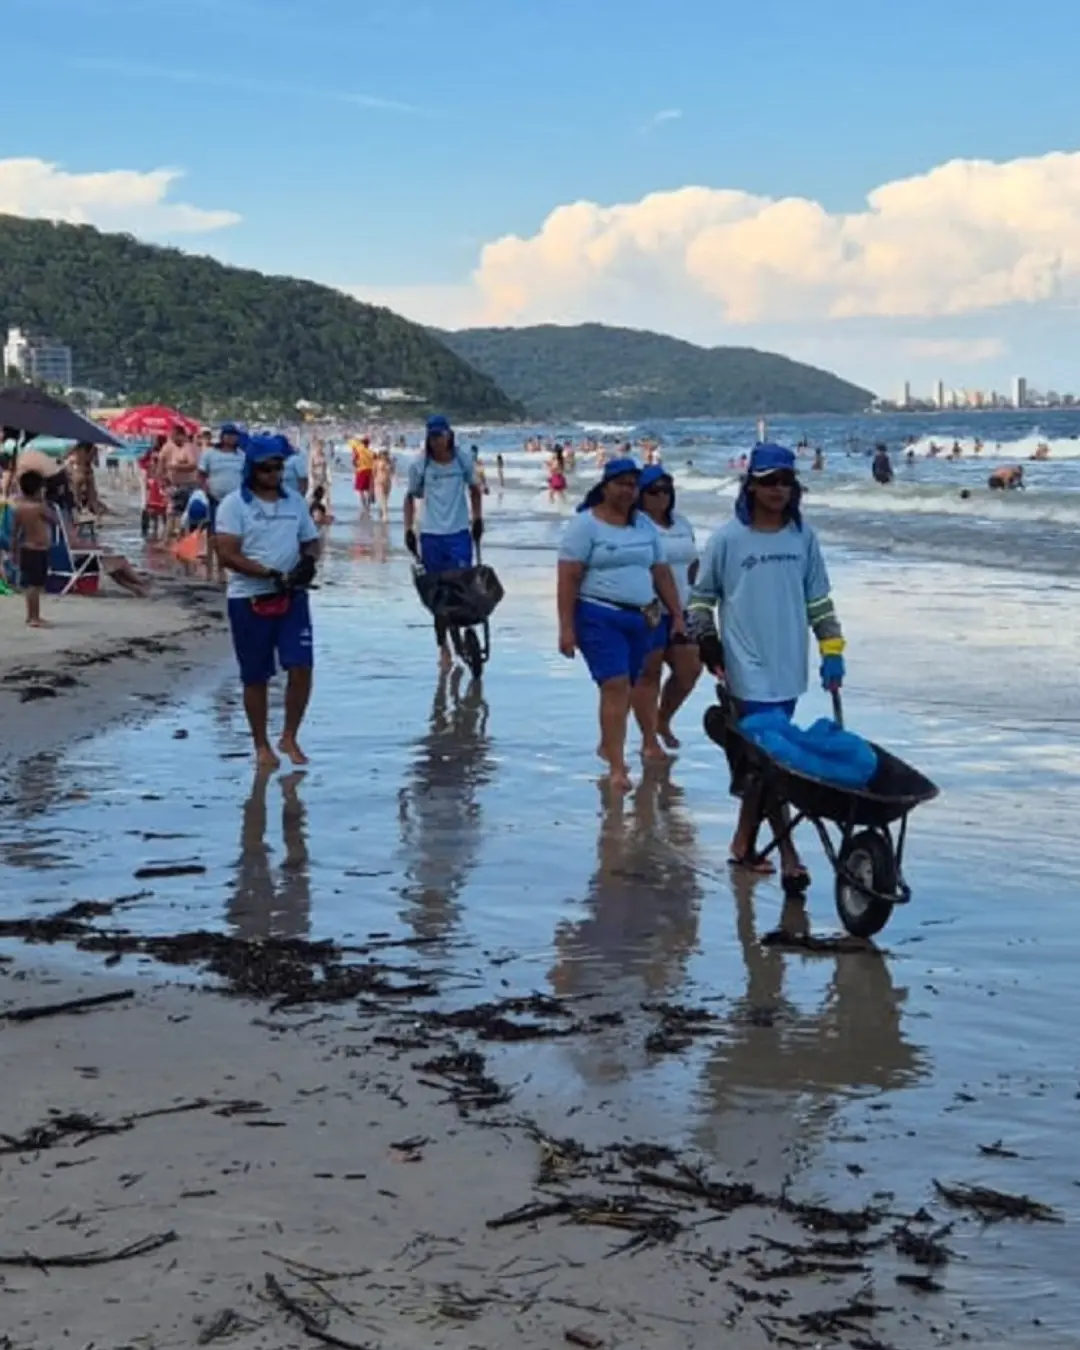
<point x="221" y="471"/>
<point x="444" y="478"/>
<point x="269" y="545"/>
<point x="613" y="582"/>
<point x="765" y="574"/>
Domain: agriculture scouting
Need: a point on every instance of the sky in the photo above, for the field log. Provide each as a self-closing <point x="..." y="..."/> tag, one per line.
<point x="888" y="191"/>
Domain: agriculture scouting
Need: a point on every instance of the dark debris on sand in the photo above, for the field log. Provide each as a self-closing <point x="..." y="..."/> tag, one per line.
<point x="650" y="1195"/>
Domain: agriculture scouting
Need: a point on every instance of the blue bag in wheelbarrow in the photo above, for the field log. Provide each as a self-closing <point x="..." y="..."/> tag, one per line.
<point x="824" y="751"/>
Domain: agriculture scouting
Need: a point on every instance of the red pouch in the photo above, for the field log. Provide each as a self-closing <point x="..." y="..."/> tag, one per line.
<point x="270" y="606"/>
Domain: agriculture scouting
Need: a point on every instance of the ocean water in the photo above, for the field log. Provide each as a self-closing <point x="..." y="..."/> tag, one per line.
<point x="922" y="513"/>
<point x="473" y="815"/>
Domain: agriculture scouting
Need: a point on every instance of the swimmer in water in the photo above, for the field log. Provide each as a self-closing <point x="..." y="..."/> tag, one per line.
<point x="1007" y="478"/>
<point x="556" y="467"/>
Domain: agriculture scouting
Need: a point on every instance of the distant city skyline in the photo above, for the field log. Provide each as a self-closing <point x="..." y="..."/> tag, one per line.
<point x="1022" y="394"/>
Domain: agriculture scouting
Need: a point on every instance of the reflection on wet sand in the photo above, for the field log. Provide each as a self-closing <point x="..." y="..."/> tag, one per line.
<point x="262" y="905"/>
<point x="641" y="915"/>
<point x="438" y="811"/>
<point x="791" y="1068"/>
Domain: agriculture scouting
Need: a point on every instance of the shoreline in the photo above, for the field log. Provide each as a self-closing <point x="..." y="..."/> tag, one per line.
<point x="665" y="1020"/>
<point x="102" y="656"/>
<point x="319" y="1164"/>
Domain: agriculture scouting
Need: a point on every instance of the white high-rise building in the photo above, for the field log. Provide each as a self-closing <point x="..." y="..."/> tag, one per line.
<point x="1020" y="394"/>
<point x="39" y="359"/>
<point x="905" y="394"/>
<point x="939" y="394"/>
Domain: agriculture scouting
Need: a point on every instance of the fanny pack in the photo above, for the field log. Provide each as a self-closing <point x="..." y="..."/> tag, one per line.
<point x="270" y="606"/>
<point x="652" y="613"/>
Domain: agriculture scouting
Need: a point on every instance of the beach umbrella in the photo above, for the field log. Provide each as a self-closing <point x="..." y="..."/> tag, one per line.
<point x="30" y="410"/>
<point x="152" y="420"/>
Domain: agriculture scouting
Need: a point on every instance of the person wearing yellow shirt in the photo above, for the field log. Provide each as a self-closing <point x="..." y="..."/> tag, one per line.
<point x="363" y="466"/>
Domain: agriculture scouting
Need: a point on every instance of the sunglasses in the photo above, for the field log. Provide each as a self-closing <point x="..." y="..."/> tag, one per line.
<point x="782" y="478"/>
<point x="658" y="490"/>
<point x="271" y="465"/>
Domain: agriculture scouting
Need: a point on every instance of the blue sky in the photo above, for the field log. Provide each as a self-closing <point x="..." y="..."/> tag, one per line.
<point x="380" y="144"/>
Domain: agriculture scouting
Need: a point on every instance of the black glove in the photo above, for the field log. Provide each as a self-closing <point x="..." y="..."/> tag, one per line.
<point x="303" y="574"/>
<point x="477" y="530"/>
<point x="281" y="582"/>
<point x="712" y="653"/>
<point x="410" y="543"/>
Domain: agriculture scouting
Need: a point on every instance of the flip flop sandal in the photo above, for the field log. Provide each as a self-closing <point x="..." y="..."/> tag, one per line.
<point x="750" y="862"/>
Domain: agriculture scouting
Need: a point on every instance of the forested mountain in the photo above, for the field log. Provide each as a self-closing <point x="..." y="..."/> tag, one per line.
<point x="159" y="325"/>
<point x="622" y="374"/>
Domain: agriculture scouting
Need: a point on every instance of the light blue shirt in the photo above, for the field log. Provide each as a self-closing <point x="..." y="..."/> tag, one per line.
<point x="269" y="532"/>
<point x="618" y="558"/>
<point x="763" y="582"/>
<point x="680" y="552"/>
<point x="224" y="470"/>
<point x="444" y="490"/>
<point x="295" y="472"/>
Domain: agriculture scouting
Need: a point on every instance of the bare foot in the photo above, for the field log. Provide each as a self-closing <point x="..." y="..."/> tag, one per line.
<point x="620" y="779"/>
<point x="668" y="737"/>
<point x="288" y="746"/>
<point x="38" y="623"/>
<point x="654" y="753"/>
<point x="266" y="759"/>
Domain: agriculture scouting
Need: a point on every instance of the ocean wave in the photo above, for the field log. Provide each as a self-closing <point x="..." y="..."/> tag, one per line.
<point x="935" y="500"/>
<point x="1065" y="447"/>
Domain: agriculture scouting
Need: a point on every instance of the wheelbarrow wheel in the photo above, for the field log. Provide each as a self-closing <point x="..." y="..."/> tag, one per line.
<point x="472" y="652"/>
<point x="866" y="871"/>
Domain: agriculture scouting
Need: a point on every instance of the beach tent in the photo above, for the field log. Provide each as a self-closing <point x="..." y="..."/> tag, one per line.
<point x="152" y="420"/>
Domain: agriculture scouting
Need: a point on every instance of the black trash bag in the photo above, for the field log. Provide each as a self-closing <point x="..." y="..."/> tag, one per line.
<point x="462" y="597"/>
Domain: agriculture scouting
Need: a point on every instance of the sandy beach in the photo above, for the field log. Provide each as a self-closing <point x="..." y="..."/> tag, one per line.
<point x="330" y="1123"/>
<point x="101" y="659"/>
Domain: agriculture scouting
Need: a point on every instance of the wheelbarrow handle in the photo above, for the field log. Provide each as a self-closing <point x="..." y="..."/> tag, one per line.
<point x="837" y="708"/>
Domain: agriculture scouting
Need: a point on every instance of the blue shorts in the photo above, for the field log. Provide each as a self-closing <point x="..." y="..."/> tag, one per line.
<point x="257" y="640"/>
<point x="614" y="642"/>
<point x="446" y="552"/>
<point x="749" y="706"/>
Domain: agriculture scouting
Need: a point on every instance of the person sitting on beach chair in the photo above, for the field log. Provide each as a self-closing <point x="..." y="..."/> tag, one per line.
<point x="445" y="480"/>
<point x="765" y="573"/>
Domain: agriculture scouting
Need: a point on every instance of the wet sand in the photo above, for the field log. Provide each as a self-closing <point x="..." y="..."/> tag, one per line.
<point x="471" y="821"/>
<point x="103" y="658"/>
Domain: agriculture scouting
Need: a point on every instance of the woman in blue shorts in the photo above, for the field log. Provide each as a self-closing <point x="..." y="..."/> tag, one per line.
<point x="611" y="571"/>
<point x="654" y="708"/>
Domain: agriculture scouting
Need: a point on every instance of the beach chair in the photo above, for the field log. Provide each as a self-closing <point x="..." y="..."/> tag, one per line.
<point x="74" y="559"/>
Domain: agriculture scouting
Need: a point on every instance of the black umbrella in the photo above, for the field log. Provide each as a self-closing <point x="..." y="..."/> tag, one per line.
<point x="35" y="413"/>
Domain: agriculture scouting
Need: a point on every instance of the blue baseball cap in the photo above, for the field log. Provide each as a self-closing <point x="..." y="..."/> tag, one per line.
<point x="261" y="448"/>
<point x="614" y="468"/>
<point x="653" y="473"/>
<point x="437" y="424"/>
<point x="768" y="458"/>
<point x="231" y="429"/>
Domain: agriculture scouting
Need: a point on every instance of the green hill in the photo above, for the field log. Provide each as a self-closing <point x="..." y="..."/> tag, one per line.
<point x="622" y="374"/>
<point x="160" y="325"/>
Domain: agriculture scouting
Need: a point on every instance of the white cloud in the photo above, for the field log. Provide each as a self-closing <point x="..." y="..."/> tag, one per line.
<point x="665" y="115"/>
<point x="918" y="274"/>
<point x="118" y="199"/>
<point x="969" y="235"/>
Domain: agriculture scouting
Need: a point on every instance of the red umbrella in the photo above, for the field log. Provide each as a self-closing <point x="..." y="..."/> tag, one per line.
<point x="153" y="420"/>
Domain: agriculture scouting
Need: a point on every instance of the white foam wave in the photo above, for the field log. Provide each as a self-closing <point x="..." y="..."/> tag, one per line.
<point x="1065" y="447"/>
<point x="918" y="499"/>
